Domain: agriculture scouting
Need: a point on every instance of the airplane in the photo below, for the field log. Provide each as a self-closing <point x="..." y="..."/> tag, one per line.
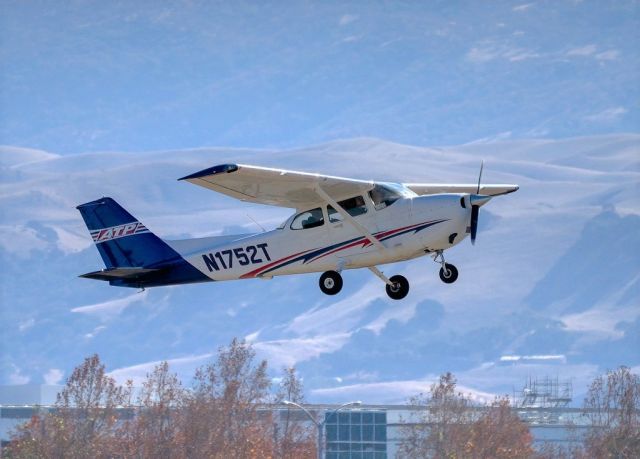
<point x="339" y="224"/>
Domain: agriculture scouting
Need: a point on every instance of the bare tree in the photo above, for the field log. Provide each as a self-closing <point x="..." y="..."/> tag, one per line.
<point x="154" y="431"/>
<point x="221" y="417"/>
<point x="448" y="426"/>
<point x="83" y="422"/>
<point x="612" y="407"/>
<point x="499" y="433"/>
<point x="441" y="427"/>
<point x="550" y="450"/>
<point x="293" y="439"/>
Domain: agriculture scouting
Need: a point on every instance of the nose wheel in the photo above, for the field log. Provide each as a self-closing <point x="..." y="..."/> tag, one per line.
<point x="448" y="272"/>
<point x="331" y="282"/>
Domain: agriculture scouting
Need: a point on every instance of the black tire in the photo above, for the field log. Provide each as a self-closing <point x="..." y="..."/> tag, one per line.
<point x="449" y="277"/>
<point x="400" y="289"/>
<point x="331" y="282"/>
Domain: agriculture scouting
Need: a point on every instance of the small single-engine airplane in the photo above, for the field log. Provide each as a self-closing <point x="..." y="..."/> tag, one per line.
<point x="339" y="224"/>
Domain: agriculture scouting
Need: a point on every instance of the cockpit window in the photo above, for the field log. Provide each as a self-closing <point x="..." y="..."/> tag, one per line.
<point x="353" y="206"/>
<point x="383" y="196"/>
<point x="308" y="219"/>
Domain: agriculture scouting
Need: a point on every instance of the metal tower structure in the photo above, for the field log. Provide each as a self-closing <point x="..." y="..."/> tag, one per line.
<point x="541" y="400"/>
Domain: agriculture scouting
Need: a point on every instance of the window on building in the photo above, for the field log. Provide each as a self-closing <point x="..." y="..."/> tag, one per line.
<point x="356" y="434"/>
<point x="343" y="432"/>
<point x="308" y="219"/>
<point x="354" y="207"/>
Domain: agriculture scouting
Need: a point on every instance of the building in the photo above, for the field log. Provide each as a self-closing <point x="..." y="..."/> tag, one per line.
<point x="362" y="432"/>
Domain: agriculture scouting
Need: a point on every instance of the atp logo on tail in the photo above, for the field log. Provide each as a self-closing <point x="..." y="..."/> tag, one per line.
<point x="116" y="232"/>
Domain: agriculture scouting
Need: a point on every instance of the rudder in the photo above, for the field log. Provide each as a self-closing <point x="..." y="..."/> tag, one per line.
<point x="121" y="239"/>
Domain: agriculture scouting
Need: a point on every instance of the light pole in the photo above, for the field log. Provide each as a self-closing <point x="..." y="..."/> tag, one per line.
<point x="320" y="425"/>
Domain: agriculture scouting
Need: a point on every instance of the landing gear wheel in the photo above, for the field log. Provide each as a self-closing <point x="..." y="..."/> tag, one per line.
<point x="330" y="282"/>
<point x="450" y="275"/>
<point x="400" y="287"/>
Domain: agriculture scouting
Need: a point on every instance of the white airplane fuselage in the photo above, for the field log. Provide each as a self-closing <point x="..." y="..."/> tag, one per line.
<point x="410" y="227"/>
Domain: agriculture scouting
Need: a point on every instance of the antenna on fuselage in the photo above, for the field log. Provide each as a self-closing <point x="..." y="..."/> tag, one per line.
<point x="252" y="219"/>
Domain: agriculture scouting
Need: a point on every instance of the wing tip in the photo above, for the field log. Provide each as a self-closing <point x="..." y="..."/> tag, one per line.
<point x="219" y="169"/>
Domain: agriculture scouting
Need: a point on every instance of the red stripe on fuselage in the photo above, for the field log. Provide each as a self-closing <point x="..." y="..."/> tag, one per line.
<point x="255" y="272"/>
<point x="363" y="241"/>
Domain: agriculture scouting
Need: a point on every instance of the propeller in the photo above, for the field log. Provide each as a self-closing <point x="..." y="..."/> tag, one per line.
<point x="477" y="200"/>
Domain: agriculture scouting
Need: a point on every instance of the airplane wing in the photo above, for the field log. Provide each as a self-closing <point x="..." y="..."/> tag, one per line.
<point x="435" y="188"/>
<point x="275" y="186"/>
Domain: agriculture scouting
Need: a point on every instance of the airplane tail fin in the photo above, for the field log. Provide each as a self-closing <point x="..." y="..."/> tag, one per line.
<point x="124" y="242"/>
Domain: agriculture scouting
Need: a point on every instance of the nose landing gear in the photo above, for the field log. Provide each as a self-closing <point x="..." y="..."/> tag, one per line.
<point x="448" y="272"/>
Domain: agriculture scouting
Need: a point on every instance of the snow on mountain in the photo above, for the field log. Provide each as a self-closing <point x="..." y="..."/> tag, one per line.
<point x="551" y="283"/>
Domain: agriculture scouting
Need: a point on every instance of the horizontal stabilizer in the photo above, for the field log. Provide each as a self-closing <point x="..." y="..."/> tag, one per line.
<point x="119" y="273"/>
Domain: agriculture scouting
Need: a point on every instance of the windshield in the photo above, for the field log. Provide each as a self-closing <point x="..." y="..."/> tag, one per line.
<point x="383" y="195"/>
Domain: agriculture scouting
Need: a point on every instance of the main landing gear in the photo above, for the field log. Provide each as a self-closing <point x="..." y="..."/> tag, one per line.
<point x="331" y="282"/>
<point x="397" y="286"/>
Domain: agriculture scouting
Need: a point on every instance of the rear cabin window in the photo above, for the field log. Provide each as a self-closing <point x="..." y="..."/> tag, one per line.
<point x="383" y="196"/>
<point x="353" y="206"/>
<point x="308" y="219"/>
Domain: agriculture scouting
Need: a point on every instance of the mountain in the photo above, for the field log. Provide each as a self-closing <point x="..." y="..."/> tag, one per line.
<point x="550" y="288"/>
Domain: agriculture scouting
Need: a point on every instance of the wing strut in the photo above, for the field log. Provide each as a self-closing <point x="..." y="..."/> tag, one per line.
<point x="365" y="232"/>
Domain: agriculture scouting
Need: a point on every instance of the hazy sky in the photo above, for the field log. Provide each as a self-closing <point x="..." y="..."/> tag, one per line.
<point x="89" y="76"/>
<point x="152" y="79"/>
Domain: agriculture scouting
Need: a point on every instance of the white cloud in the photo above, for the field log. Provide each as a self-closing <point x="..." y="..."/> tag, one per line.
<point x="347" y="19"/>
<point x="252" y="337"/>
<point x="391" y="391"/>
<point x="95" y="331"/>
<point x="352" y="38"/>
<point x="490" y="52"/>
<point x="53" y="376"/>
<point x="20" y="240"/>
<point x="27" y="324"/>
<point x="17" y="156"/>
<point x="506" y="135"/>
<point x="608" y="115"/>
<point x="587" y="50"/>
<point x="16" y="377"/>
<point x="341" y="316"/>
<point x="183" y="366"/>
<point x="609" y="55"/>
<point x="288" y="352"/>
<point x="523" y="7"/>
<point x="592" y="51"/>
<point x="600" y="321"/>
<point x="533" y="358"/>
<point x="69" y="241"/>
<point x="111" y="308"/>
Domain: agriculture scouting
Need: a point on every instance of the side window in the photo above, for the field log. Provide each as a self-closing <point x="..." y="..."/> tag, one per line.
<point x="383" y="196"/>
<point x="353" y="206"/>
<point x="308" y="219"/>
